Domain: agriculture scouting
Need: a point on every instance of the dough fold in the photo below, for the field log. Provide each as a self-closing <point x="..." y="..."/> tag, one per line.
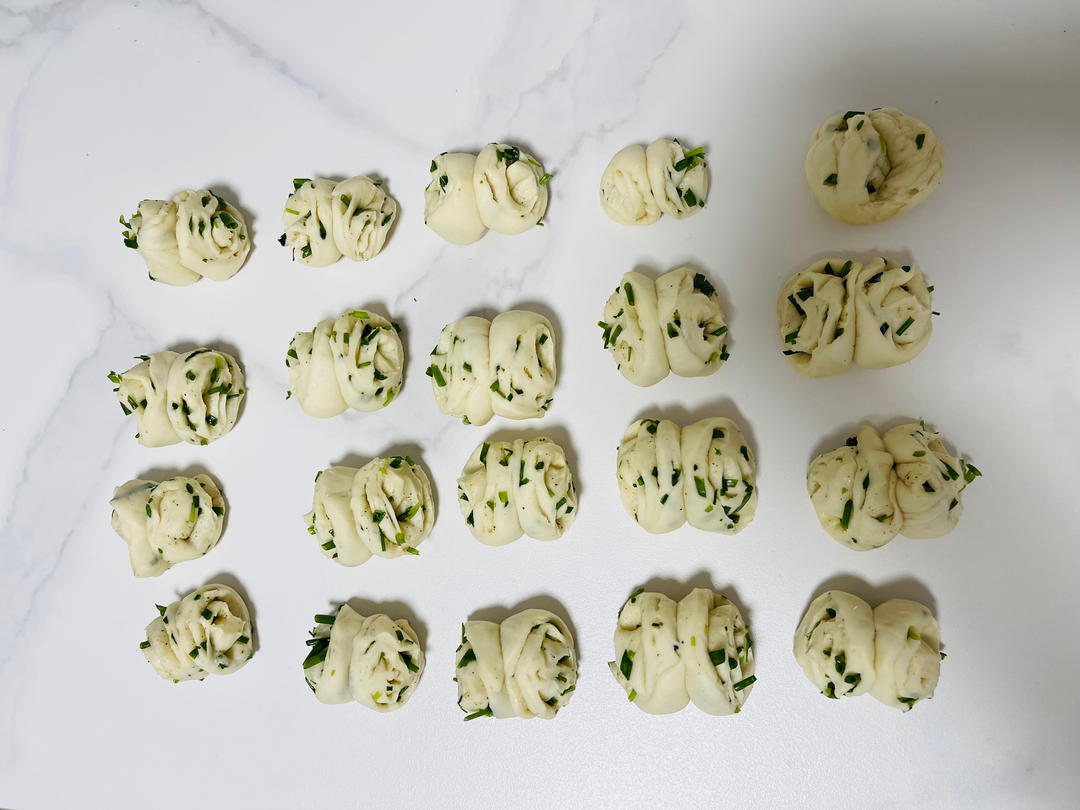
<point x="510" y="188"/>
<point x="524" y="667"/>
<point x="677" y="177"/>
<point x="649" y="472"/>
<point x="632" y="331"/>
<point x="450" y="201"/>
<point x="193" y="397"/>
<point x="892" y="314"/>
<point x="208" y="632"/>
<point x="354" y="361"/>
<point x="625" y="193"/>
<point x="907" y="648"/>
<point x="867" y="167"/>
<point x="167" y="522"/>
<point x="385" y="509"/>
<point x="373" y="660"/>
<point x="309" y="223"/>
<point x="363" y="216"/>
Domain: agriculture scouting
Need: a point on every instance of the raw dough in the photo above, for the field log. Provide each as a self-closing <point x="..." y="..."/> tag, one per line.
<point x="625" y="193"/>
<point x="510" y="187"/>
<point x="677" y="177"/>
<point x="450" y="200"/>
<point x="834" y="645"/>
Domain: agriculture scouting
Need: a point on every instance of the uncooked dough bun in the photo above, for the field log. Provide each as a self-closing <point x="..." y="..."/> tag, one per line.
<point x="524" y="667"/>
<point x="839" y="311"/>
<point x="521" y="487"/>
<point x="385" y="508"/>
<point x="208" y="632"/>
<point x="325" y="220"/>
<point x="510" y="188"/>
<point x="193" y="397"/>
<point x="450" y="201"/>
<point x="834" y="645"/>
<point x="195" y="235"/>
<point x="640" y="184"/>
<point x="668" y="654"/>
<point x="673" y="324"/>
<point x="354" y="361"/>
<point x="875" y="487"/>
<point x="703" y="473"/>
<point x="165" y="523"/>
<point x="505" y="367"/>
<point x="869" y="167"/>
<point x="373" y="660"/>
<point x="892" y="652"/>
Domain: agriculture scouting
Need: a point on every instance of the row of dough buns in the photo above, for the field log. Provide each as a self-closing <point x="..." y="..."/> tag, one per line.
<point x="847" y="649"/>
<point x="675" y="323"/>
<point x="325" y="220"/>
<point x="503" y="188"/>
<point x="383" y="509"/>
<point x="503" y="367"/>
<point x="375" y="661"/>
<point x="640" y="184"/>
<point x="703" y="474"/>
<point x="197" y="234"/>
<point x="668" y="654"/>
<point x="837" y="311"/>
<point x="508" y="489"/>
<point x="524" y="666"/>
<point x="875" y="487"/>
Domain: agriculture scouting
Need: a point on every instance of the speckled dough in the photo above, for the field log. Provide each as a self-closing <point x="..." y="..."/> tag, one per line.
<point x="510" y="187"/>
<point x="450" y="200"/>
<point x="869" y="167"/>
<point x="375" y="661"/>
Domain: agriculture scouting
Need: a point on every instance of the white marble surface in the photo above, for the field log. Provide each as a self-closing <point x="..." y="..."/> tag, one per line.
<point x="105" y="103"/>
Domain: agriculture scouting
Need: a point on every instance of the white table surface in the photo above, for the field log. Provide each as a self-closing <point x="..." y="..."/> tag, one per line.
<point x="106" y="103"/>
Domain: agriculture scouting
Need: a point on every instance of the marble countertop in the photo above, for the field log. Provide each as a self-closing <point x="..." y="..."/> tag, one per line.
<point x="105" y="103"/>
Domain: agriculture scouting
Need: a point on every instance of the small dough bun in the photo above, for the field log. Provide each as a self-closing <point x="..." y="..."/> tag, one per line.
<point x="524" y="667"/>
<point x="510" y="187"/>
<point x="450" y="201"/>
<point x="384" y="509"/>
<point x="677" y="177"/>
<point x="354" y="361"/>
<point x="521" y="487"/>
<point x="193" y="397"/>
<point x="867" y="167"/>
<point x="668" y="654"/>
<point x="197" y="234"/>
<point x="675" y="323"/>
<point x="506" y="367"/>
<point x="875" y="487"/>
<point x="167" y="522"/>
<point x="208" y="632"/>
<point x="840" y="311"/>
<point x="892" y="651"/>
<point x="375" y="661"/>
<point x="625" y="193"/>
<point x="703" y="473"/>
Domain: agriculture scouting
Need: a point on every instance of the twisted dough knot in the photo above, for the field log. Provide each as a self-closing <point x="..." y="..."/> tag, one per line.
<point x="385" y="509"/>
<point x="165" y="523"/>
<point x="355" y="361"/>
<point x="524" y="667"/>
<point x="193" y="397"/>
<point x="208" y="632"/>
<point x="373" y="660"/>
